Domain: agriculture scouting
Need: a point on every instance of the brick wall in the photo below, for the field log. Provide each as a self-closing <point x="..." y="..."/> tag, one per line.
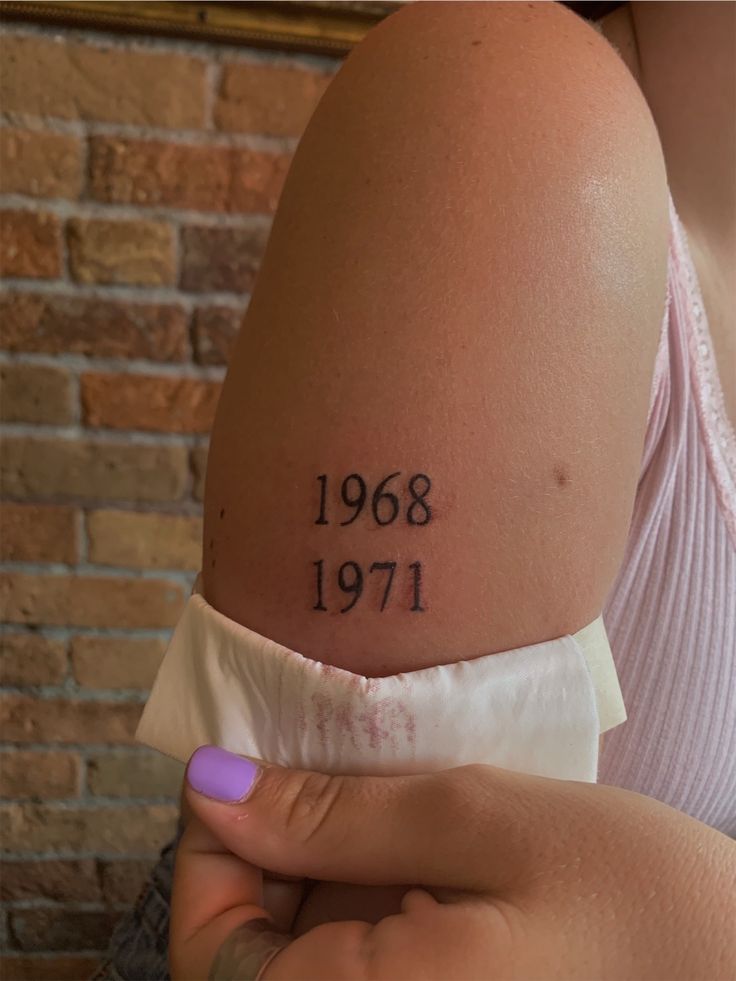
<point x="138" y="179"/>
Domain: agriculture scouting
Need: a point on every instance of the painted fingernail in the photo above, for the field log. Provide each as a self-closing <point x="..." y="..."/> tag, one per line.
<point x="221" y="775"/>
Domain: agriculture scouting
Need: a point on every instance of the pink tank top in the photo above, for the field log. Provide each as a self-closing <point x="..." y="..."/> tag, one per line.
<point x="671" y="614"/>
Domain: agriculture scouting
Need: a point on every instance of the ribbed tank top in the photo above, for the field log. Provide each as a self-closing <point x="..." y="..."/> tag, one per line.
<point x="671" y="613"/>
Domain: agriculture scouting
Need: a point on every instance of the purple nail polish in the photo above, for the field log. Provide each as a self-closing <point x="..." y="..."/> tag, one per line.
<point x="224" y="776"/>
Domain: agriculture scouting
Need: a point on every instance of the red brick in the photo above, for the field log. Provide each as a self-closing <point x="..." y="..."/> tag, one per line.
<point x="28" y="719"/>
<point x="135" y="775"/>
<point x="41" y="76"/>
<point x="122" y="881"/>
<point x="221" y="258"/>
<point x="199" y="467"/>
<point x="269" y="99"/>
<point x="146" y="541"/>
<point x="177" y="175"/>
<point x="116" y="662"/>
<point x="30" y="244"/>
<point x="39" y="774"/>
<point x="86" y="601"/>
<point x="30" y="659"/>
<point x="38" y="468"/>
<point x="94" y="327"/>
<point x="215" y="330"/>
<point x="39" y="163"/>
<point x="35" y="393"/>
<point x="149" y="402"/>
<point x="74" y="880"/>
<point x="132" y="830"/>
<point x="138" y="253"/>
<point x="60" y="929"/>
<point x="56" y="968"/>
<point x="38" y="533"/>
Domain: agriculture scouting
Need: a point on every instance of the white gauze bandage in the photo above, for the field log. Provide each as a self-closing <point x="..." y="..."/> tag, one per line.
<point x="537" y="709"/>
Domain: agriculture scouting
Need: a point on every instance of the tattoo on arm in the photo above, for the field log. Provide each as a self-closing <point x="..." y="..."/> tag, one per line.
<point x="385" y="508"/>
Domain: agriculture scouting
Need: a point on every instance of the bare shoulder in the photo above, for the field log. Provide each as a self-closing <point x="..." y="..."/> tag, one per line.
<point x="465" y="279"/>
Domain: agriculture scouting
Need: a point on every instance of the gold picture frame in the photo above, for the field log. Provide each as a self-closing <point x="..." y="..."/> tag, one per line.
<point x="321" y="27"/>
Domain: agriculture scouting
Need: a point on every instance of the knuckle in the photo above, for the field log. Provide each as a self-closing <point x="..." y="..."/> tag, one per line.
<point x="466" y="789"/>
<point x="311" y="806"/>
<point x="336" y="947"/>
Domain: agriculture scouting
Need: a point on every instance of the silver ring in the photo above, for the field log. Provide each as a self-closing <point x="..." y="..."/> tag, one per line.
<point x="247" y="952"/>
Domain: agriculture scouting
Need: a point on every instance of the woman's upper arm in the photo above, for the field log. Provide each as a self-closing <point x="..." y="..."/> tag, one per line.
<point x="463" y="286"/>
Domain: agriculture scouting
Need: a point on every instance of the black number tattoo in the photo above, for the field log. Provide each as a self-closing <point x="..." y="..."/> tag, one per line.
<point x="418" y="501"/>
<point x="319" y="605"/>
<point x="321" y="520"/>
<point x="417" y="607"/>
<point x="355" y="587"/>
<point x="385" y="505"/>
<point x="385" y="508"/>
<point x="350" y="580"/>
<point x="391" y="566"/>
<point x="381" y="495"/>
<point x="356" y="503"/>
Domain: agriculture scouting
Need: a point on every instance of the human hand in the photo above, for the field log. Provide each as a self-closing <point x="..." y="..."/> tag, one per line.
<point x="327" y="902"/>
<point x="520" y="877"/>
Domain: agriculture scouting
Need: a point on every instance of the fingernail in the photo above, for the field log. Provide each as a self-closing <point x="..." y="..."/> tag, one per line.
<point x="221" y="775"/>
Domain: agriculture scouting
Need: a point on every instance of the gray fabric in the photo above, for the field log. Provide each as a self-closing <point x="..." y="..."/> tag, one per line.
<point x="138" y="949"/>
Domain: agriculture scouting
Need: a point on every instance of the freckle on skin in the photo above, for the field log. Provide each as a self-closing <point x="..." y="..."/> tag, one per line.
<point x="222" y="512"/>
<point x="561" y="476"/>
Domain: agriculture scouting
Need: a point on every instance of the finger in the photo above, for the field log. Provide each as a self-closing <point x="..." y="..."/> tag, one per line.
<point x="283" y="901"/>
<point x="426" y="940"/>
<point x="213" y="892"/>
<point x="429" y="829"/>
<point x="284" y="878"/>
<point x="416" y="901"/>
<point x="331" y="952"/>
<point x="334" y="902"/>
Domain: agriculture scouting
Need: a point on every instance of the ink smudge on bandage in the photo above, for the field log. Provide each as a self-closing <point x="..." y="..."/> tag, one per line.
<point x="371" y="720"/>
<point x="344" y="723"/>
<point x="323" y="711"/>
<point x="380" y="722"/>
<point x="301" y="720"/>
<point x="388" y="720"/>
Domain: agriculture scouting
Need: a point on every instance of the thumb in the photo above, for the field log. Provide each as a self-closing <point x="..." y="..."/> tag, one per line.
<point x="213" y="892"/>
<point x="436" y="829"/>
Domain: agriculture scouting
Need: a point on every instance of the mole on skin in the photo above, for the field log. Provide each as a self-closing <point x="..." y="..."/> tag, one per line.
<point x="561" y="476"/>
